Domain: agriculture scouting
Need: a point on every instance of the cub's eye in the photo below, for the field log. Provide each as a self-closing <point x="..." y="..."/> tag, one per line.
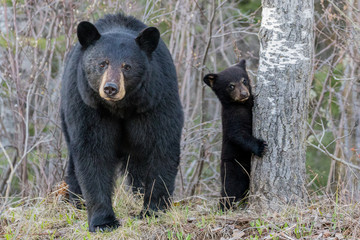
<point x="104" y="64"/>
<point x="231" y="87"/>
<point x="244" y="81"/>
<point x="126" y="67"/>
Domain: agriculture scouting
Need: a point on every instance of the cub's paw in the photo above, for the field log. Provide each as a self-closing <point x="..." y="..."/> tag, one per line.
<point x="227" y="203"/>
<point x="261" y="148"/>
<point x="148" y="213"/>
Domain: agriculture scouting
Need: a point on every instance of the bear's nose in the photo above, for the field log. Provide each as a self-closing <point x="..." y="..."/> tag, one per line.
<point x="111" y="89"/>
<point x="244" y="94"/>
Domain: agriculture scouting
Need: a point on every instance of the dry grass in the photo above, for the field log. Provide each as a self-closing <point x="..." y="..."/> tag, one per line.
<point x="192" y="218"/>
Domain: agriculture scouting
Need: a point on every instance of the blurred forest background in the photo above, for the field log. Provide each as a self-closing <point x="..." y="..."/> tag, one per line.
<point x="203" y="37"/>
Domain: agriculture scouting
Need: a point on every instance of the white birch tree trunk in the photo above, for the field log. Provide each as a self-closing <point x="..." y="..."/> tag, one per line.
<point x="281" y="102"/>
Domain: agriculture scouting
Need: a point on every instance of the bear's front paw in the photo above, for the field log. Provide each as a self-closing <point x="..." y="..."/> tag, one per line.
<point x="261" y="148"/>
<point x="107" y="225"/>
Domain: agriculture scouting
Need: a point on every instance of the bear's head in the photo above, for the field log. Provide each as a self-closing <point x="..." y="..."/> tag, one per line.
<point x="116" y="63"/>
<point x="231" y="85"/>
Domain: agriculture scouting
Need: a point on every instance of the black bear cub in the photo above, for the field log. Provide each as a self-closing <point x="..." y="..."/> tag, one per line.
<point x="120" y="108"/>
<point x="232" y="87"/>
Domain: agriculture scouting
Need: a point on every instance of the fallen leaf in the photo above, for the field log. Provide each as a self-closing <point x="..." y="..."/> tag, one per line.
<point x="237" y="234"/>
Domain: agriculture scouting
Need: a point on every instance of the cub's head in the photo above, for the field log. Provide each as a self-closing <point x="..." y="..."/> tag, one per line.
<point x="231" y="85"/>
<point x="116" y="63"/>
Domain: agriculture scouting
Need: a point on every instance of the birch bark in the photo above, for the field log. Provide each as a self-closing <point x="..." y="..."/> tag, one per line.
<point x="281" y="102"/>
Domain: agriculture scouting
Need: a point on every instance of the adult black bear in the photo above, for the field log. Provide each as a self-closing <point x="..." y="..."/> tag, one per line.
<point x="120" y="107"/>
<point x="232" y="87"/>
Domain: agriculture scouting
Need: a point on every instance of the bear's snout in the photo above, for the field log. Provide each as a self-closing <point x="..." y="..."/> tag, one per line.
<point x="111" y="89"/>
<point x="244" y="95"/>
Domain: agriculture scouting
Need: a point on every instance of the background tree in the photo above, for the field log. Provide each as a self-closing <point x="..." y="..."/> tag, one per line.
<point x="334" y="131"/>
<point x="349" y="102"/>
<point x="281" y="103"/>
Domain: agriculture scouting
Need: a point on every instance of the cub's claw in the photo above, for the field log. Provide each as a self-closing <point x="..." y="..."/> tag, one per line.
<point x="262" y="148"/>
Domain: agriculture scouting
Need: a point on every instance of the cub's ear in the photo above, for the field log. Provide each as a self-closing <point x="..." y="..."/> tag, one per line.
<point x="242" y="64"/>
<point x="87" y="34"/>
<point x="210" y="78"/>
<point x="148" y="40"/>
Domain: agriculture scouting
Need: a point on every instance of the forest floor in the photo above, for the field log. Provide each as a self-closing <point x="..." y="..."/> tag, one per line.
<point x="192" y="218"/>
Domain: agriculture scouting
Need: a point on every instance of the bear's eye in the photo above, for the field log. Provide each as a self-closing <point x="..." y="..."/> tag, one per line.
<point x="231" y="87"/>
<point x="244" y="81"/>
<point x="104" y="64"/>
<point x="126" y="67"/>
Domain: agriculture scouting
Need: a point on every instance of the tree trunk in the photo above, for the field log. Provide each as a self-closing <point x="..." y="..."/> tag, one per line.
<point x="349" y="104"/>
<point x="281" y="102"/>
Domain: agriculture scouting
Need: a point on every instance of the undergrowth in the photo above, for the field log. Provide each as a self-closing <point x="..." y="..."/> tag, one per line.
<point x="191" y="218"/>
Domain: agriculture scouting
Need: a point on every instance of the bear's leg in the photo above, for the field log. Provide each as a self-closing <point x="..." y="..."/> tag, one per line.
<point x="136" y="182"/>
<point x="136" y="172"/>
<point x="95" y="172"/>
<point x="159" y="184"/>
<point x="74" y="190"/>
<point x="71" y="180"/>
<point x="235" y="182"/>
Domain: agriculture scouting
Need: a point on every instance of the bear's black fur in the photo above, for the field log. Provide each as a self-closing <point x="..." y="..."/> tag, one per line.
<point x="120" y="107"/>
<point x="232" y="87"/>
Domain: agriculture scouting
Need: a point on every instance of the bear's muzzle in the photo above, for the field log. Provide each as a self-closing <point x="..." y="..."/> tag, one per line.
<point x="112" y="87"/>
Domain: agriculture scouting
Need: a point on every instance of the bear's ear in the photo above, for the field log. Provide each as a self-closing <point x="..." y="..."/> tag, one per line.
<point x="242" y="64"/>
<point x="87" y="34"/>
<point x="148" y="40"/>
<point x="210" y="78"/>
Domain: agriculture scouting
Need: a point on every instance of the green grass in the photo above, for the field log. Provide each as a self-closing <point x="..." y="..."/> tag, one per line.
<point x="194" y="218"/>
